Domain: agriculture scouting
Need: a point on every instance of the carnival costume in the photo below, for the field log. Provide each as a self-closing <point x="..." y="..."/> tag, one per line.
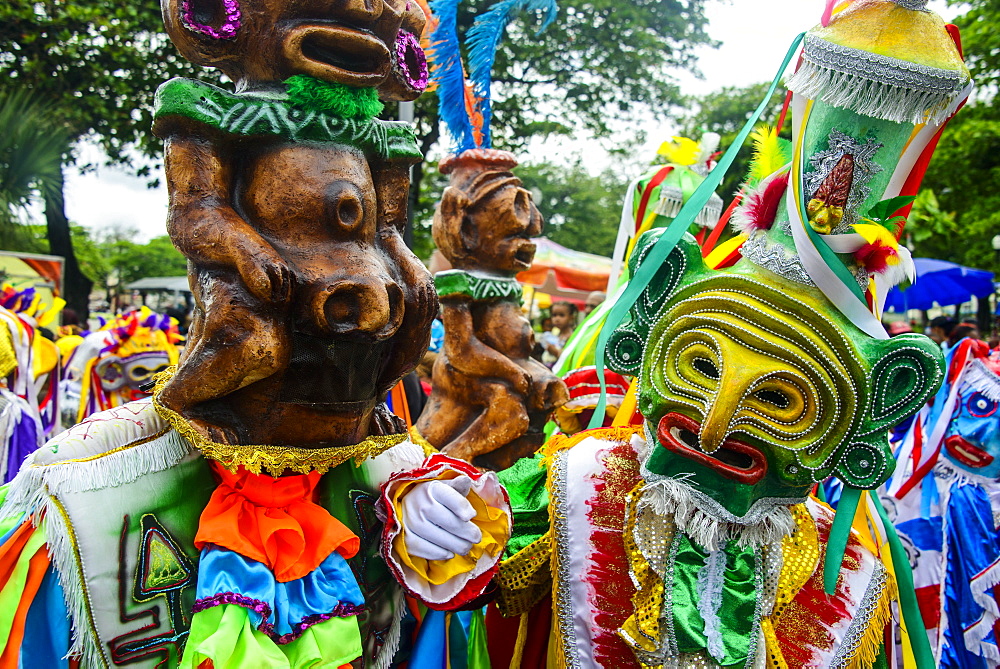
<point x="651" y="200"/>
<point x="943" y="500"/>
<point x="115" y="364"/>
<point x="263" y="509"/>
<point x="29" y="376"/>
<point x="690" y="539"/>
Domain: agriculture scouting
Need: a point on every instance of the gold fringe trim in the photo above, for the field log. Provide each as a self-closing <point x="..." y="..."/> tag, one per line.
<point x="418" y="439"/>
<point x="522" y="640"/>
<point x="561" y="442"/>
<point x="524" y="577"/>
<point x="274" y="460"/>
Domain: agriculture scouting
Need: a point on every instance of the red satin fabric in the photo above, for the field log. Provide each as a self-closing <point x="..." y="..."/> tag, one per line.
<point x="275" y="521"/>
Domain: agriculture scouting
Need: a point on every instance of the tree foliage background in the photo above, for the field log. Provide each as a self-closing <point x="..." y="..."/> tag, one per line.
<point x="596" y="72"/>
<point x="95" y="66"/>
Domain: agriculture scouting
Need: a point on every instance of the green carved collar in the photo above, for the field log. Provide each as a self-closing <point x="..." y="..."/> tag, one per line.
<point x="255" y="114"/>
<point x="456" y="282"/>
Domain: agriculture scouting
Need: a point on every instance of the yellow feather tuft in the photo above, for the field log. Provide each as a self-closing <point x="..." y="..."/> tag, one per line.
<point x="680" y="151"/>
<point x="768" y="154"/>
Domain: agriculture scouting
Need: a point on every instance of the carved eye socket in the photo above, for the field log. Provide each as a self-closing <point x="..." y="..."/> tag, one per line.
<point x="345" y="205"/>
<point x="775" y="397"/>
<point x="706" y="367"/>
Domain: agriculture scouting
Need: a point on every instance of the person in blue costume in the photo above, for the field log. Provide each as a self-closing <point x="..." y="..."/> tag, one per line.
<point x="943" y="500"/>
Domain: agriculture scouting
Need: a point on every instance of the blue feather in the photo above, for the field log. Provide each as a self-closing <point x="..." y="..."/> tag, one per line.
<point x="448" y="73"/>
<point x="484" y="38"/>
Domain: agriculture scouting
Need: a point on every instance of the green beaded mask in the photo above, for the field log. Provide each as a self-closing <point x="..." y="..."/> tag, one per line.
<point x="754" y="387"/>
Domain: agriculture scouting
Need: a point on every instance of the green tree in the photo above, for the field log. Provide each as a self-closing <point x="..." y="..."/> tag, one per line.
<point x="97" y="66"/>
<point x="581" y="211"/>
<point x="965" y="171"/>
<point x="726" y="111"/>
<point x="31" y="145"/>
<point x="603" y="65"/>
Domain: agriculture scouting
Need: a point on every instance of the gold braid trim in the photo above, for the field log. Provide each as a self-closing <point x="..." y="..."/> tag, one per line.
<point x="418" y="439"/>
<point x="274" y="460"/>
<point x="524" y="577"/>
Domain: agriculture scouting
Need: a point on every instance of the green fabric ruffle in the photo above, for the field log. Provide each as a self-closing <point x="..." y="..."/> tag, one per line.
<point x="225" y="635"/>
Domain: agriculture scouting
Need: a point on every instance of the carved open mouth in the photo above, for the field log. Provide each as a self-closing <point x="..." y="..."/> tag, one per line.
<point x="339" y="372"/>
<point x="337" y="53"/>
<point x="966" y="453"/>
<point x="524" y="254"/>
<point x="734" y="460"/>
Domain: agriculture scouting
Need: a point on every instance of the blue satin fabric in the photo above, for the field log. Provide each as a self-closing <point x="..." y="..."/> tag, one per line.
<point x="973" y="547"/>
<point x="46" y="632"/>
<point x="326" y="588"/>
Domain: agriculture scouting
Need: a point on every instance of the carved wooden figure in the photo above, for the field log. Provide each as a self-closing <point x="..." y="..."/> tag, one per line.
<point x="490" y="399"/>
<point x="288" y="199"/>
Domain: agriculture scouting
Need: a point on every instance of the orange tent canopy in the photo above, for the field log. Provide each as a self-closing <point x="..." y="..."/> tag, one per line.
<point x="571" y="270"/>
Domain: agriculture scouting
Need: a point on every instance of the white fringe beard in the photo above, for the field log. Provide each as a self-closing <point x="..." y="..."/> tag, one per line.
<point x="692" y="512"/>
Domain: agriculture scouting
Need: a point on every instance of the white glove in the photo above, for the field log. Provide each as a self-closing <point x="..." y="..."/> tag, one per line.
<point x="437" y="519"/>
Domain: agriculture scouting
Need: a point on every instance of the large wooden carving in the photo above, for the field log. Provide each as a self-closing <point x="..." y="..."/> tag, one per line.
<point x="288" y="199"/>
<point x="490" y="399"/>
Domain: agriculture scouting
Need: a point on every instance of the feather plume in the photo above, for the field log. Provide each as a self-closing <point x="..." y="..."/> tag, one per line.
<point x="484" y="38"/>
<point x="770" y="154"/>
<point x="760" y="206"/>
<point x="449" y="75"/>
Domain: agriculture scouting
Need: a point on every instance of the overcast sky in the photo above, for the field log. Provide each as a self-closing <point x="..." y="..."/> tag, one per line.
<point x="754" y="36"/>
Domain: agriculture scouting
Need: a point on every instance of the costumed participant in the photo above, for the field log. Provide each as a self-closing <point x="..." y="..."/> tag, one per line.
<point x="652" y="201"/>
<point x="691" y="540"/>
<point x="29" y="376"/>
<point x="264" y="509"/>
<point x="116" y="364"/>
<point x="943" y="501"/>
<point x="490" y="399"/>
<point x="585" y="394"/>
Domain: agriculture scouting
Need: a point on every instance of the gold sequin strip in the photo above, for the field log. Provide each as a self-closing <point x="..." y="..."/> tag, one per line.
<point x="525" y="577"/>
<point x="646" y="535"/>
<point x="275" y="460"/>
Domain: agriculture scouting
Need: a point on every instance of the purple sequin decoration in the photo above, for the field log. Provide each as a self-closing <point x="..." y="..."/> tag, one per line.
<point x="263" y="608"/>
<point x="228" y="28"/>
<point x="410" y="56"/>
<point x="343" y="610"/>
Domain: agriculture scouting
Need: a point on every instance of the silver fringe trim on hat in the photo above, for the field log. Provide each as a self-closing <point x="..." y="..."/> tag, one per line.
<point x="672" y="200"/>
<point x="877" y="86"/>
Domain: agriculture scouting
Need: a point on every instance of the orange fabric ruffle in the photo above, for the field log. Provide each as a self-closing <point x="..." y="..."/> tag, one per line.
<point x="274" y="521"/>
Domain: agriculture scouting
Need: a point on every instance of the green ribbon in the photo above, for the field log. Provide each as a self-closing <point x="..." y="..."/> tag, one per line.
<point x="673" y="233"/>
<point x="907" y="593"/>
<point x="847" y="507"/>
<point x="836" y="545"/>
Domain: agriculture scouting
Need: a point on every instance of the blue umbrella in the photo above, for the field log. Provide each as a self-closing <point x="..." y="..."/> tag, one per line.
<point x="940" y="283"/>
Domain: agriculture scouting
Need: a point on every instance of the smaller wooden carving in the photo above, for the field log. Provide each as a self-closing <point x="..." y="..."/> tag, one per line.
<point x="490" y="399"/>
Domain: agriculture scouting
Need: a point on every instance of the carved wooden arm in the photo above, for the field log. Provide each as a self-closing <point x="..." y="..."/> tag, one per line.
<point x="469" y="355"/>
<point x="205" y="227"/>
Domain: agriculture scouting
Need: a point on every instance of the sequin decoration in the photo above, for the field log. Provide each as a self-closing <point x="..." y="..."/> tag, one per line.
<point x="525" y="577"/>
<point x="274" y="460"/>
<point x="229" y="26"/>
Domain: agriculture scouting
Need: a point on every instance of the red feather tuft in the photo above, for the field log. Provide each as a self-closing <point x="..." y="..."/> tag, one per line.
<point x="874" y="257"/>
<point x="761" y="206"/>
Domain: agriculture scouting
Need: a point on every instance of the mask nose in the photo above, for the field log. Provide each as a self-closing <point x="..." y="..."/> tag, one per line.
<point x="366" y="305"/>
